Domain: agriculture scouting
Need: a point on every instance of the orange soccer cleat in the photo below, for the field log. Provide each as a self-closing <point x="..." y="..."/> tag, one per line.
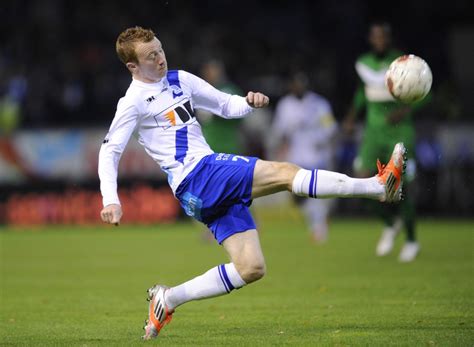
<point x="158" y="313"/>
<point x="391" y="175"/>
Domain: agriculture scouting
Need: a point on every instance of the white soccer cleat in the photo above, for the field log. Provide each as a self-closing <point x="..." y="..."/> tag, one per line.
<point x="391" y="175"/>
<point x="387" y="239"/>
<point x="386" y="242"/>
<point x="158" y="313"/>
<point x="409" y="252"/>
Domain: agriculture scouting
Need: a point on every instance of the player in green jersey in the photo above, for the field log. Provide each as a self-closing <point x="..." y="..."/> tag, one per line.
<point x="222" y="135"/>
<point x="387" y="122"/>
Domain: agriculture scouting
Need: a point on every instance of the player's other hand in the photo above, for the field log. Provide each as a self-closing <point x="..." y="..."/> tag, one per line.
<point x="111" y="214"/>
<point x="257" y="100"/>
<point x="348" y="127"/>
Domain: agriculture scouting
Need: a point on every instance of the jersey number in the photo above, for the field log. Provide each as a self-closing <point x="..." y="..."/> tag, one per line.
<point x="236" y="157"/>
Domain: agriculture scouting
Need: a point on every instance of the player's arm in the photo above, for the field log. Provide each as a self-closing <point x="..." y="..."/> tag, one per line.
<point x="109" y="156"/>
<point x="397" y="115"/>
<point x="206" y="97"/>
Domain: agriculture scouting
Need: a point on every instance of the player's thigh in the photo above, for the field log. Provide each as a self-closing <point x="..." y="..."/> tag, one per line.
<point x="244" y="250"/>
<point x="271" y="177"/>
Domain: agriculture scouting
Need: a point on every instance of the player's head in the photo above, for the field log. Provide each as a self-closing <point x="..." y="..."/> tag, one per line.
<point x="213" y="71"/>
<point x="380" y="37"/>
<point x="298" y="83"/>
<point x="142" y="54"/>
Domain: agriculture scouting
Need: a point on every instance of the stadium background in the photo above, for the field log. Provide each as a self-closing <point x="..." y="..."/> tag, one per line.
<point x="60" y="82"/>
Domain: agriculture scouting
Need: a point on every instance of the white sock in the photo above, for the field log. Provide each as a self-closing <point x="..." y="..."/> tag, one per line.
<point x="328" y="184"/>
<point x="217" y="281"/>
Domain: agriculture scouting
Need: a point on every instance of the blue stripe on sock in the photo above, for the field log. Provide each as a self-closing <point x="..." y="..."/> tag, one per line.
<point x="311" y="181"/>
<point x="229" y="283"/>
<point x="222" y="279"/>
<point x="315" y="183"/>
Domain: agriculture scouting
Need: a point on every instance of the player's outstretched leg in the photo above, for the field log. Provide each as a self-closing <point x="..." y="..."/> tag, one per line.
<point x="386" y="186"/>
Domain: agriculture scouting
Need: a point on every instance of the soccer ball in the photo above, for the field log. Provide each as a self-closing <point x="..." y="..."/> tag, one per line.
<point x="408" y="78"/>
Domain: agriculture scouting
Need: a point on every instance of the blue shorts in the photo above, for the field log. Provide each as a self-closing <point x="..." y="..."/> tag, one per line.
<point x="218" y="193"/>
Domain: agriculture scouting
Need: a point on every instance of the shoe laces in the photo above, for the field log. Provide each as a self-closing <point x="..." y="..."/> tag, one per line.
<point x="380" y="168"/>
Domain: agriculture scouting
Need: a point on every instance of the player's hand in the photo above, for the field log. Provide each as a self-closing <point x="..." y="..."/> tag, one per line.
<point x="257" y="100"/>
<point x="348" y="127"/>
<point x="111" y="214"/>
<point x="349" y="122"/>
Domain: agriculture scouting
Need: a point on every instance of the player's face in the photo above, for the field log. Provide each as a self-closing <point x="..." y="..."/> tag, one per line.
<point x="152" y="65"/>
<point x="379" y="39"/>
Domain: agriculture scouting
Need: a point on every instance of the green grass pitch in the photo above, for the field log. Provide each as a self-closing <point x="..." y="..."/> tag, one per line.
<point x="72" y="286"/>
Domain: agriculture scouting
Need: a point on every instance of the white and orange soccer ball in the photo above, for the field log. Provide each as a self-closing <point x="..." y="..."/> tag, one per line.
<point x="408" y="78"/>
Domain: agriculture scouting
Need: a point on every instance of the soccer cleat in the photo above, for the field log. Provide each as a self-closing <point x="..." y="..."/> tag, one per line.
<point x="158" y="313"/>
<point x="391" y="175"/>
<point x="409" y="252"/>
<point x="387" y="239"/>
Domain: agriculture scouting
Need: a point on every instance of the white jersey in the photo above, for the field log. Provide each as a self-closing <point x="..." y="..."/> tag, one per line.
<point x="162" y="116"/>
<point x="308" y="125"/>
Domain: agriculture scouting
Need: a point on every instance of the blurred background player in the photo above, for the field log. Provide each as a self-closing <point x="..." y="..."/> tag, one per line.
<point x="386" y="123"/>
<point x="244" y="135"/>
<point x="223" y="136"/>
<point x="304" y="129"/>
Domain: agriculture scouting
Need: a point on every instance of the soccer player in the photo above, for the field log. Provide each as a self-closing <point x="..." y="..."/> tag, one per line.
<point x="214" y="188"/>
<point x="387" y="122"/>
<point x="304" y="129"/>
<point x="222" y="135"/>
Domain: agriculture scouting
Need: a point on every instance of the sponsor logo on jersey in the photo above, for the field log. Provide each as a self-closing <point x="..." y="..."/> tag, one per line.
<point x="170" y="116"/>
<point x="150" y="99"/>
<point x="182" y="113"/>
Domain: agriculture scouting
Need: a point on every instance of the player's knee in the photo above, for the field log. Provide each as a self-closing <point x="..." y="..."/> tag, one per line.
<point x="286" y="167"/>
<point x="253" y="271"/>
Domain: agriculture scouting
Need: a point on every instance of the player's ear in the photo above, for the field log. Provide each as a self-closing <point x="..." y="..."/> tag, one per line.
<point x="132" y="67"/>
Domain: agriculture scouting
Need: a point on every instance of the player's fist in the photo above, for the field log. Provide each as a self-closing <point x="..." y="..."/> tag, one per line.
<point x="257" y="100"/>
<point x="111" y="214"/>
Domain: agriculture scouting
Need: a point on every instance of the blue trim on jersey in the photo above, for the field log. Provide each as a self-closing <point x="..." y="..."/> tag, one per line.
<point x="224" y="273"/>
<point x="173" y="80"/>
<point x="315" y="182"/>
<point x="181" y="144"/>
<point x="222" y="279"/>
<point x="311" y="181"/>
